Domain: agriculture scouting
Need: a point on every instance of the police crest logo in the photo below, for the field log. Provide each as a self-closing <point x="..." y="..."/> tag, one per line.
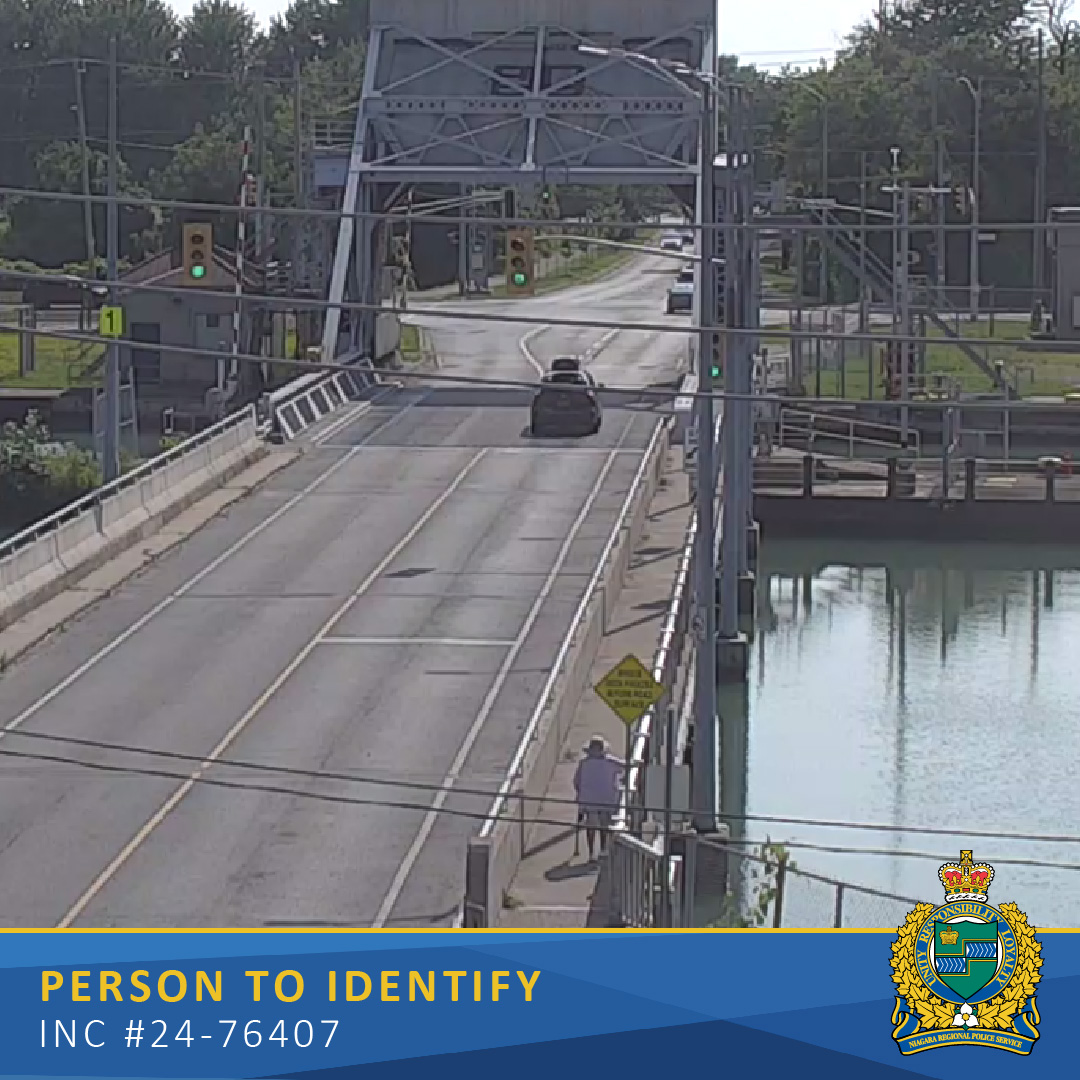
<point x="965" y="972"/>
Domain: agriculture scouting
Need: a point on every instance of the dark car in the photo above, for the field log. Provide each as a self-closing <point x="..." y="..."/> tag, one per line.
<point x="566" y="363"/>
<point x="565" y="406"/>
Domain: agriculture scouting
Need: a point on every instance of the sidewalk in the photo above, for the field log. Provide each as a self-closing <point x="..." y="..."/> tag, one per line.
<point x="553" y="886"/>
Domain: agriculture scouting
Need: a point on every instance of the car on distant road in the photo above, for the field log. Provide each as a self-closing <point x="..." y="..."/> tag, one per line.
<point x="566" y="406"/>
<point x="671" y="241"/>
<point x="563" y="365"/>
<point x="680" y="296"/>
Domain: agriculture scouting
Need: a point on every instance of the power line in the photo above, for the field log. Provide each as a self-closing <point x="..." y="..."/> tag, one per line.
<point x="419" y="785"/>
<point x="474" y="815"/>
<point x="540" y="225"/>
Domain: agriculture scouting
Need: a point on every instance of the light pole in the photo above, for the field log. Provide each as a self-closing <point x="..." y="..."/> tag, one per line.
<point x="706" y="744"/>
<point x="824" y="102"/>
<point x="976" y="99"/>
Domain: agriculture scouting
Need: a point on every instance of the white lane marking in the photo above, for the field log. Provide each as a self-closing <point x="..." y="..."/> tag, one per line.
<point x="197" y="579"/>
<point x="421" y="838"/>
<point x="526" y="341"/>
<point x="351" y="414"/>
<point x="400" y="641"/>
<point x="260" y="703"/>
<point x="594" y="350"/>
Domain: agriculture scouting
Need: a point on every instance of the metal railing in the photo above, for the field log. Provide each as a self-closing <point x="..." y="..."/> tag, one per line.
<point x="92" y="501"/>
<point x="783" y="895"/>
<point x="669" y="653"/>
<point x="812" y="427"/>
<point x="636" y="878"/>
<point x="298" y="405"/>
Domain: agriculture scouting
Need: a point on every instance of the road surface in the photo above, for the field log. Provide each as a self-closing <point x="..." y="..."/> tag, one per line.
<point x="634" y="293"/>
<point x="388" y="607"/>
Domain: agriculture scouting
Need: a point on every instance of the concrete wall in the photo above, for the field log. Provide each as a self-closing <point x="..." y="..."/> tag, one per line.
<point x="460" y="18"/>
<point x="34" y="569"/>
<point x="176" y="316"/>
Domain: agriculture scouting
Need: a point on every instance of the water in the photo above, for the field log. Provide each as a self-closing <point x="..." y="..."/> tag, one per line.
<point x="918" y="685"/>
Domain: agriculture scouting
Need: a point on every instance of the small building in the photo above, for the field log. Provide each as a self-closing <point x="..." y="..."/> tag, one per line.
<point x="195" y="388"/>
<point x="1065" y="252"/>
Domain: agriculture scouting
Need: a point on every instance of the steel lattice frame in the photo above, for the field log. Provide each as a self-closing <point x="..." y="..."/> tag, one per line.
<point x="521" y="107"/>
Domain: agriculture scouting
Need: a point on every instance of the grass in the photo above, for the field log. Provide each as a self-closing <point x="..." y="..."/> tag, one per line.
<point x="58" y="363"/>
<point x="411" y="352"/>
<point x="1049" y="374"/>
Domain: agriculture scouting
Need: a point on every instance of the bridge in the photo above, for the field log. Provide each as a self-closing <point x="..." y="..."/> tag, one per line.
<point x="273" y="677"/>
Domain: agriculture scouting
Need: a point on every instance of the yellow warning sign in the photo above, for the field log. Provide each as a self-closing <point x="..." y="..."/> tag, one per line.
<point x="629" y="689"/>
<point x="111" y="322"/>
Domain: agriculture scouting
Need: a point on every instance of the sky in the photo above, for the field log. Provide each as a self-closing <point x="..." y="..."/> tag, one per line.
<point x="767" y="33"/>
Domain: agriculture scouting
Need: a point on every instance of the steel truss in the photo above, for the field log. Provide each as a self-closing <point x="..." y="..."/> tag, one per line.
<point x="523" y="107"/>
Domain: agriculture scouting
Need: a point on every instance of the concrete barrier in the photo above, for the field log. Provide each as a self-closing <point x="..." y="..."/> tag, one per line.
<point x="494" y="854"/>
<point x="55" y="553"/>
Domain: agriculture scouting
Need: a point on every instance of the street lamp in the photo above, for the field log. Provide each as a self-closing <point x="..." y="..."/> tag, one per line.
<point x="824" y="101"/>
<point x="976" y="186"/>
<point x="706" y="752"/>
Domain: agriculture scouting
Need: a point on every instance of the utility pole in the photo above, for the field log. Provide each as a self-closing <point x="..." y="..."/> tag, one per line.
<point x="905" y="310"/>
<point x="298" y="136"/>
<point x="110" y="457"/>
<point x="260" y="164"/>
<point x="84" y="148"/>
<point x="706" y="749"/>
<point x="1039" y="242"/>
<point x="824" y="263"/>
<point x="864" y="299"/>
<point x="941" y="241"/>
<point x="976" y="187"/>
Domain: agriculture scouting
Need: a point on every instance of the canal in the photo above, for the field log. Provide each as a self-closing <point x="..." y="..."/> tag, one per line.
<point x="914" y="685"/>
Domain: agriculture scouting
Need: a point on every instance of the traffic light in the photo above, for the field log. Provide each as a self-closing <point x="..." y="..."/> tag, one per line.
<point x="198" y="251"/>
<point x="520" y="262"/>
<point x="960" y="200"/>
<point x="716" y="367"/>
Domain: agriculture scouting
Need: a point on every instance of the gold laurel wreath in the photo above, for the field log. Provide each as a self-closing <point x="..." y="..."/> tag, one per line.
<point x="936" y="1014"/>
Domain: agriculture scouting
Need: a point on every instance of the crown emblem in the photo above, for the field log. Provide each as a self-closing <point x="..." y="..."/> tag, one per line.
<point x="966" y="880"/>
<point x="949" y="937"/>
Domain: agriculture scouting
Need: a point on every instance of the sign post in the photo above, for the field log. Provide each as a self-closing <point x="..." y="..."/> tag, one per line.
<point x="630" y="691"/>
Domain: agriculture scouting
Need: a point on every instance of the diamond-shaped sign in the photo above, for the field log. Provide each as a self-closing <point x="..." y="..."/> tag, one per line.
<point x="629" y="690"/>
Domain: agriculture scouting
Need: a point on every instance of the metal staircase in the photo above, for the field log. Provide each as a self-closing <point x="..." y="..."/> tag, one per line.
<point x="872" y="270"/>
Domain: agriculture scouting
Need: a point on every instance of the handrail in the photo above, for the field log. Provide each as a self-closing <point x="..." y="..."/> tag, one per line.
<point x="663" y="659"/>
<point x="529" y="734"/>
<point x="790" y="422"/>
<point x="65" y="514"/>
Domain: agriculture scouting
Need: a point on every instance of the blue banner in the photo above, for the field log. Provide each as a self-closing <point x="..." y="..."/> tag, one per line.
<point x="550" y="1005"/>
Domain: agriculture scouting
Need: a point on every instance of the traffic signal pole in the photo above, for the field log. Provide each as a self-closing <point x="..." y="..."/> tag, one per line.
<point x="110" y="443"/>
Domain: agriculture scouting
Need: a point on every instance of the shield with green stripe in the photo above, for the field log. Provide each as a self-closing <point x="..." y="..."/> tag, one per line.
<point x="965" y="955"/>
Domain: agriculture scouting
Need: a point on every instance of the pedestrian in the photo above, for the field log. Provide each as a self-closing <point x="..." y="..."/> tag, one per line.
<point x="596" y="783"/>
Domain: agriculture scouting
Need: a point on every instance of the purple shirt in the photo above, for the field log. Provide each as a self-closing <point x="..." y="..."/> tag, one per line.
<point x="597" y="782"/>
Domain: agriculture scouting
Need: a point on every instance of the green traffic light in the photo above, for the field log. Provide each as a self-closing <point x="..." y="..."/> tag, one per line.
<point x="520" y="279"/>
<point x="715" y="371"/>
<point x="198" y="271"/>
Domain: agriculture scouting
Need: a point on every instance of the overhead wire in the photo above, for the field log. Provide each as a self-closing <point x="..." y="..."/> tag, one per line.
<point x="200" y="777"/>
<point x="539" y="224"/>
<point x="489" y="793"/>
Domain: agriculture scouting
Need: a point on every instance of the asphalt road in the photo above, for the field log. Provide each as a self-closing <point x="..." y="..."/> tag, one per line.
<point x="630" y="358"/>
<point x="388" y="607"/>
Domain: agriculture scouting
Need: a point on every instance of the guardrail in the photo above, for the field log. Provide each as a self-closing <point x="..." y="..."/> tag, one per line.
<point x="296" y="406"/>
<point x="637" y="868"/>
<point x="49" y="555"/>
<point x="812" y="426"/>
<point x="494" y="854"/>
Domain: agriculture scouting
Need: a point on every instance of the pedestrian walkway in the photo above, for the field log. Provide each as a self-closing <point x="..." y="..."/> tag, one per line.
<point x="554" y="886"/>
